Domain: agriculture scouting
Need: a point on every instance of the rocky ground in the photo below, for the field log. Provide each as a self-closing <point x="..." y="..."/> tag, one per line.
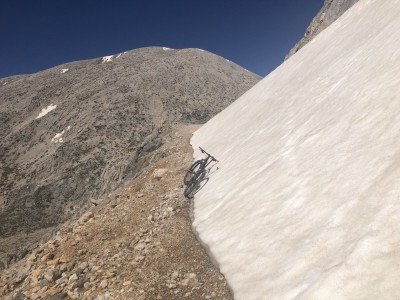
<point x="136" y="243"/>
<point x="329" y="13"/>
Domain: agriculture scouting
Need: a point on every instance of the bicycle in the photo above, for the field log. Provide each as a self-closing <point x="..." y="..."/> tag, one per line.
<point x="196" y="174"/>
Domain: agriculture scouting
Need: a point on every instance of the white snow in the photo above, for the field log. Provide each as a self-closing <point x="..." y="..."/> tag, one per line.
<point x="305" y="204"/>
<point x="46" y="110"/>
<point x="58" y="138"/>
<point x="64" y="71"/>
<point x="201" y="50"/>
<point x="118" y="55"/>
<point x="106" y="59"/>
<point x="165" y="48"/>
<point x="5" y="83"/>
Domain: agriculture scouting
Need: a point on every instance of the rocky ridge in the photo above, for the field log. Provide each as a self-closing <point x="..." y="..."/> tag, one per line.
<point x="74" y="133"/>
<point x="329" y="13"/>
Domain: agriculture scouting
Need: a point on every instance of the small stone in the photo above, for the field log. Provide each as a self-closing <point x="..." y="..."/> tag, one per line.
<point x="73" y="278"/>
<point x="174" y="275"/>
<point x="49" y="276"/>
<point x="87" y="216"/>
<point x="140" y="246"/>
<point x="159" y="173"/>
<point x="73" y="295"/>
<point x="189" y="279"/>
<point x="63" y="259"/>
<point x="47" y="257"/>
<point x="171" y="286"/>
<point x="83" y="265"/>
<point x="103" y="284"/>
<point x="53" y="291"/>
<point x="53" y="262"/>
<point x="139" y="258"/>
<point x="110" y="274"/>
<point x="82" y="251"/>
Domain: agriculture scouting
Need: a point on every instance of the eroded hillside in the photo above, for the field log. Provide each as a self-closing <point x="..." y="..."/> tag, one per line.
<point x="74" y="133"/>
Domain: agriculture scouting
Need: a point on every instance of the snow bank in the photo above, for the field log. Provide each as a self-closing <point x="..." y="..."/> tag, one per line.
<point x="305" y="204"/>
<point x="46" y="110"/>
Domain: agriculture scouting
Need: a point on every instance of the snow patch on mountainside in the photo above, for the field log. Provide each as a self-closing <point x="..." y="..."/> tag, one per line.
<point x="106" y="59"/>
<point x="46" y="110"/>
<point x="305" y="204"/>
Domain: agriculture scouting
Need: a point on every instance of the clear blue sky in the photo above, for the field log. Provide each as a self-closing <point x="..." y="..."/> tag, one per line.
<point x="36" y="35"/>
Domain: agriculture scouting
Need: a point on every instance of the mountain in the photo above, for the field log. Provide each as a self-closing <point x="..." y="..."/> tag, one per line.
<point x="305" y="204"/>
<point x="137" y="243"/>
<point x="329" y="13"/>
<point x="74" y="133"/>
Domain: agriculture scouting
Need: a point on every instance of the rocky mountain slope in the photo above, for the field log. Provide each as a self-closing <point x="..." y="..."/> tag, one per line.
<point x="74" y="133"/>
<point x="329" y="13"/>
<point x="136" y="244"/>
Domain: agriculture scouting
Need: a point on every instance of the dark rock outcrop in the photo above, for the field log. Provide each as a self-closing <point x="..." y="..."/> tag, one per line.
<point x="77" y="131"/>
<point x="329" y="13"/>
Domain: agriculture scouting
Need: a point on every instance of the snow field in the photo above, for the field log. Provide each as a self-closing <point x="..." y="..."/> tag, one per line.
<point x="305" y="204"/>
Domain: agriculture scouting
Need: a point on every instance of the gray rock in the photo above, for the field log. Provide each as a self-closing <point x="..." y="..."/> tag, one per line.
<point x="49" y="276"/>
<point x="329" y="13"/>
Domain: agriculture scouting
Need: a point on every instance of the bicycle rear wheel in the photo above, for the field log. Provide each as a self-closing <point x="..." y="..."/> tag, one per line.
<point x="194" y="185"/>
<point x="191" y="173"/>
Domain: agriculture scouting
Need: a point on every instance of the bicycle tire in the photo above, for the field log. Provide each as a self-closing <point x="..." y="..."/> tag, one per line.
<point x="196" y="167"/>
<point x="190" y="189"/>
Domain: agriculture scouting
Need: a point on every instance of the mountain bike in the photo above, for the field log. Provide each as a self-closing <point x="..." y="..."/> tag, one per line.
<point x="197" y="173"/>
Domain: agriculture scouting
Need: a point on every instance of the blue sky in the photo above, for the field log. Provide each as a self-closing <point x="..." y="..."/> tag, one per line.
<point x="36" y="35"/>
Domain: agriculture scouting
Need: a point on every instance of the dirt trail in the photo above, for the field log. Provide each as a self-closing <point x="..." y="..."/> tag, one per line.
<point x="135" y="244"/>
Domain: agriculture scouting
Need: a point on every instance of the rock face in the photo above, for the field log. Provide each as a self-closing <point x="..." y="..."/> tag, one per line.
<point x="329" y="13"/>
<point x="75" y="132"/>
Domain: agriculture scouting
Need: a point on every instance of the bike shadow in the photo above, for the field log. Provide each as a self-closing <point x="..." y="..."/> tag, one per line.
<point x="205" y="180"/>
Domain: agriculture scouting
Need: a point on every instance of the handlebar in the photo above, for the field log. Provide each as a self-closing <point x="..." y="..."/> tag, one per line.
<point x="205" y="152"/>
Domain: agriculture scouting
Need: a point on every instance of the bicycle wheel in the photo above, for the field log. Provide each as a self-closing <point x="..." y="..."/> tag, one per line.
<point x="193" y="186"/>
<point x="194" y="169"/>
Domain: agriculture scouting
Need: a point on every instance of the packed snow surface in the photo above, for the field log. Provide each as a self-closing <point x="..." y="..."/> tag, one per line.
<point x="306" y="203"/>
<point x="46" y="110"/>
<point x="64" y="71"/>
